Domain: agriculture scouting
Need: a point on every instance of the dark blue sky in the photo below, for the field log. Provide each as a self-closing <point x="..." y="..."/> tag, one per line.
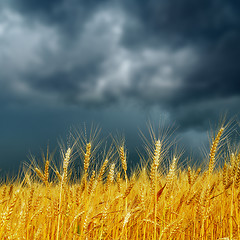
<point x="116" y="63"/>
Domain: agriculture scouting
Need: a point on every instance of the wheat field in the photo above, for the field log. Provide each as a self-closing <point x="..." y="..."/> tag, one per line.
<point x="105" y="201"/>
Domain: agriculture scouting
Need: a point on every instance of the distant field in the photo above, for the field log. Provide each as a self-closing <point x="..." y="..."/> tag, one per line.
<point x="157" y="201"/>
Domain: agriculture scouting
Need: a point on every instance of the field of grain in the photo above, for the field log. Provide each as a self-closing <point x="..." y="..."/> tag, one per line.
<point x="106" y="202"/>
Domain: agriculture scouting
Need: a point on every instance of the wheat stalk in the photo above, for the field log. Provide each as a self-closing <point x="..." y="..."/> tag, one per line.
<point x="63" y="182"/>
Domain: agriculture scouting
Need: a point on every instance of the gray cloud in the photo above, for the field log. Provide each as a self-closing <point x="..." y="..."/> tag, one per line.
<point x="181" y="22"/>
<point x="180" y="56"/>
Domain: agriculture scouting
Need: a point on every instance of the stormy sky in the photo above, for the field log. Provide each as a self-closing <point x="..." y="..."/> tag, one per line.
<point x="115" y="63"/>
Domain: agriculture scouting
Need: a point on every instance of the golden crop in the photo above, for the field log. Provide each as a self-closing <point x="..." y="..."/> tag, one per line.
<point x="105" y="202"/>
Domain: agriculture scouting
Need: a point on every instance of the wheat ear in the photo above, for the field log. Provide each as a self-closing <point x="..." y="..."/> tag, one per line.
<point x="213" y="151"/>
<point x="87" y="157"/>
<point x="102" y="170"/>
<point x="46" y="172"/>
<point x="110" y="176"/>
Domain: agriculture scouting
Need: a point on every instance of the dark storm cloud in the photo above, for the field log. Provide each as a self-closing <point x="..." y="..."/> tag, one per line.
<point x="181" y="21"/>
<point x="67" y="84"/>
<point x="212" y="27"/>
<point x="180" y="55"/>
<point x="69" y="15"/>
<point x="219" y="74"/>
